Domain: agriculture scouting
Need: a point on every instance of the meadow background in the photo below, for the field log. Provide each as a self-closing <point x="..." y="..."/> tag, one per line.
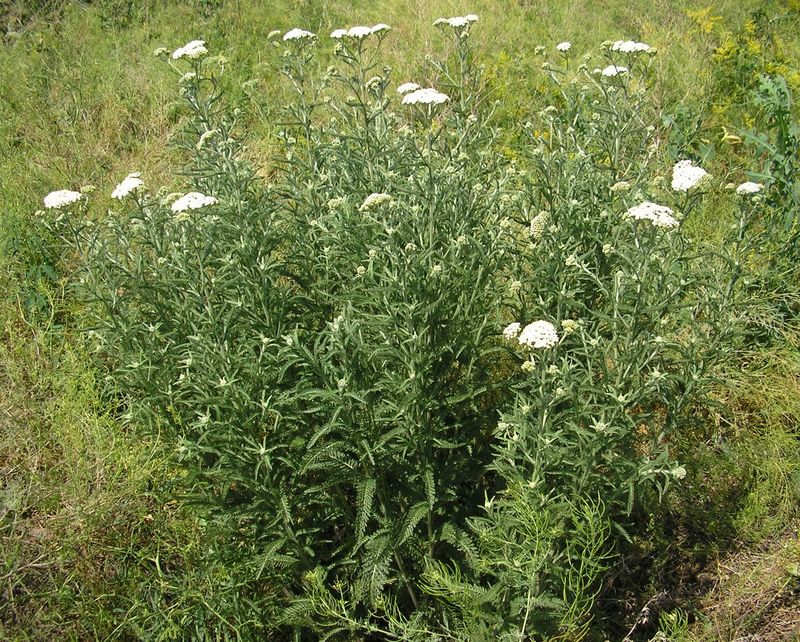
<point x="95" y="540"/>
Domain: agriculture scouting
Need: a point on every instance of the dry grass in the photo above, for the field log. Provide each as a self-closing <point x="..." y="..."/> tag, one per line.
<point x="756" y="595"/>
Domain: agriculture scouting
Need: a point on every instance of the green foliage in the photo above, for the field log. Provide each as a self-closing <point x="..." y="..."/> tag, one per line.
<point x="325" y="348"/>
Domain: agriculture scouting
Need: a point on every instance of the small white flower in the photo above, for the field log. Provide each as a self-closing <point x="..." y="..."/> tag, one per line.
<point x="58" y="199"/>
<point x="539" y="334"/>
<point x="194" y="49"/>
<point x="131" y="183"/>
<point x="407" y="87"/>
<point x="297" y="34"/>
<point x="515" y="286"/>
<point x="564" y="46"/>
<point x="685" y="175"/>
<point x="658" y="215"/>
<point x="378" y="28"/>
<point x="553" y="369"/>
<point x="614" y="70"/>
<point x="161" y="51"/>
<point x="620" y="186"/>
<point x="192" y="201"/>
<point x="629" y="46"/>
<point x="679" y="472"/>
<point x="749" y="188"/>
<point x="375" y="199"/>
<point x="338" y="34"/>
<point x="427" y="96"/>
<point x="512" y="330"/>
<point x="273" y="34"/>
<point x="529" y="365"/>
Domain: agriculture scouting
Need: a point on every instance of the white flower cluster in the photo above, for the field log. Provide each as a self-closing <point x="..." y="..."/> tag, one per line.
<point x="457" y="22"/>
<point x="539" y="224"/>
<point x="376" y="199"/>
<point x="192" y="201"/>
<point x="407" y="87"/>
<point x="297" y="34"/>
<point x="539" y="334"/>
<point x="359" y="32"/>
<point x="685" y="175"/>
<point x="131" y="183"/>
<point x="614" y="70"/>
<point x="658" y="215"/>
<point x="58" y="199"/>
<point x="194" y="49"/>
<point x="427" y="96"/>
<point x="749" y="188"/>
<point x="564" y="47"/>
<point x="629" y="46"/>
<point x="512" y="331"/>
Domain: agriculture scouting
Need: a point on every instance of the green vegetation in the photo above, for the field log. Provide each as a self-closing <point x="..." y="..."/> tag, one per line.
<point x="297" y="416"/>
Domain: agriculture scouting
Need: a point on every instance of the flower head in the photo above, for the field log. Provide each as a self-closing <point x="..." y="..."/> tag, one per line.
<point x="629" y="46"/>
<point x="512" y="330"/>
<point x="658" y="215"/>
<point x="194" y="49"/>
<point x="457" y="22"/>
<point x="614" y="70"/>
<point x="685" y="175"/>
<point x="407" y="87"/>
<point x="375" y="199"/>
<point x="539" y="224"/>
<point x="427" y="96"/>
<point x="358" y="32"/>
<point x="539" y="334"/>
<point x="749" y="188"/>
<point x="297" y="34"/>
<point x="192" y="201"/>
<point x="58" y="199"/>
<point x="564" y="46"/>
<point x="131" y="183"/>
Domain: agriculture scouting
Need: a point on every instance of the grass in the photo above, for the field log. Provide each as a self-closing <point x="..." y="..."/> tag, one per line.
<point x="91" y="545"/>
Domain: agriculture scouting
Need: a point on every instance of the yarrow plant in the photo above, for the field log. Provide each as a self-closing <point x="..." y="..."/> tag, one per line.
<point x="658" y="215"/>
<point x="131" y="183"/>
<point x="421" y="390"/>
<point x="61" y="198"/>
<point x="686" y="175"/>
<point x="192" y="50"/>
<point x="749" y="187"/>
<point x="427" y="96"/>
<point x="192" y="201"/>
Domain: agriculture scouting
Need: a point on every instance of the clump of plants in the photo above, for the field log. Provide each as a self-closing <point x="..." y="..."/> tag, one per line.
<point x="422" y="390"/>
